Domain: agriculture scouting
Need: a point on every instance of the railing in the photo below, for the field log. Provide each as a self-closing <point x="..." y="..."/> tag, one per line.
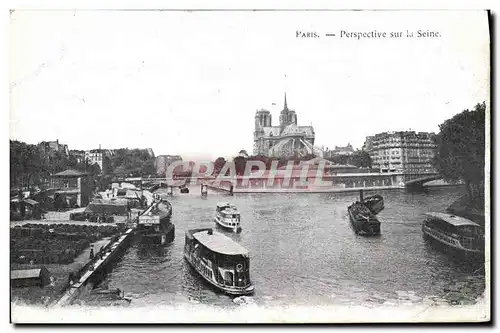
<point x="469" y="243"/>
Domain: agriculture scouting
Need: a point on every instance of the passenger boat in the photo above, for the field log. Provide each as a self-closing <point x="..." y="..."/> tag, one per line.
<point x="154" y="225"/>
<point x="219" y="260"/>
<point x="454" y="232"/>
<point x="375" y="203"/>
<point x="228" y="217"/>
<point x="363" y="221"/>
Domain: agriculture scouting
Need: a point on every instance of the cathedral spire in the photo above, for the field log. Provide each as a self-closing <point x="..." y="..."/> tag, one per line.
<point x="286" y="107"/>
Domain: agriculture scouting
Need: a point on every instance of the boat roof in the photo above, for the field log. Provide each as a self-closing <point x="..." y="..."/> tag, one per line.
<point x="231" y="210"/>
<point x="219" y="243"/>
<point x="25" y="273"/>
<point x="224" y="204"/>
<point x="452" y="219"/>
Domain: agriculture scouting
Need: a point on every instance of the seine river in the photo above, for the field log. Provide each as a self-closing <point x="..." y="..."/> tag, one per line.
<point x="303" y="251"/>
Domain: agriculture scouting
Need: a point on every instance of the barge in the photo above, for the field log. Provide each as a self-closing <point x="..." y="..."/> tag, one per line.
<point x="154" y="225"/>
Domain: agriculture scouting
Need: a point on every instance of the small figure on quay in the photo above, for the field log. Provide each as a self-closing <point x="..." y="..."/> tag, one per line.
<point x="91" y="256"/>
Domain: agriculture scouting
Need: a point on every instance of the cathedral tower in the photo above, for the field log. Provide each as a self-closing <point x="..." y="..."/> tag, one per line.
<point x="287" y="116"/>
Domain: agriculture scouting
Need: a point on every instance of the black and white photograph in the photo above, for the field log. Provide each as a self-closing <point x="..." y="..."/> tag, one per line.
<point x="249" y="166"/>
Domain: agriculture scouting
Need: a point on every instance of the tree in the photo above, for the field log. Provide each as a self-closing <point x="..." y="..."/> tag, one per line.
<point x="361" y="159"/>
<point x="218" y="164"/>
<point x="25" y="162"/>
<point x="340" y="159"/>
<point x="148" y="167"/>
<point x="239" y="165"/>
<point x="460" y="151"/>
<point x="135" y="162"/>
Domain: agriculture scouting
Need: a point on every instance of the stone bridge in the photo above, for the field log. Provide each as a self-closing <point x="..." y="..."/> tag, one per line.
<point x="420" y="180"/>
<point x="400" y="180"/>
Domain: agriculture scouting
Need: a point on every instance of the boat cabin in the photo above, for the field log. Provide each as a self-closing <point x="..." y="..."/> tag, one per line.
<point x="218" y="258"/>
<point x="224" y="205"/>
<point x="470" y="234"/>
<point x="227" y="209"/>
<point x="229" y="214"/>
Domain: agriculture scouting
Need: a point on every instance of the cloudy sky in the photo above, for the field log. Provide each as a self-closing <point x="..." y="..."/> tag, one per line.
<point x="189" y="82"/>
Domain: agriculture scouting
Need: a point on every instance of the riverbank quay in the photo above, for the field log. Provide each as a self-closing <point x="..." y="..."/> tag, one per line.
<point x="53" y="243"/>
<point x="61" y="246"/>
<point x="59" y="273"/>
<point x="94" y="270"/>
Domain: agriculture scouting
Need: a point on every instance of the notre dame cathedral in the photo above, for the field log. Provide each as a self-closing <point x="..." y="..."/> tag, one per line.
<point x="285" y="140"/>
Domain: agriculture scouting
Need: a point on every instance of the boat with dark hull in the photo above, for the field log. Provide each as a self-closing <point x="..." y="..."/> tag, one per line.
<point x="154" y="225"/>
<point x="375" y="203"/>
<point x="219" y="260"/>
<point x="455" y="234"/>
<point x="363" y="221"/>
<point x="362" y="214"/>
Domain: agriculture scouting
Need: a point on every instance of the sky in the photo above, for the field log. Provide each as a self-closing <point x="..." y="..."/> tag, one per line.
<point x="189" y="83"/>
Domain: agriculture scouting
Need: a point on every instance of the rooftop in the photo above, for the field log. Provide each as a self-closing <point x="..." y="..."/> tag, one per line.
<point x="25" y="273"/>
<point x="219" y="243"/>
<point x="452" y="219"/>
<point x="69" y="173"/>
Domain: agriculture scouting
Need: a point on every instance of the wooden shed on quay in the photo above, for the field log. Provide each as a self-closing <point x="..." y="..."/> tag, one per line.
<point x="29" y="277"/>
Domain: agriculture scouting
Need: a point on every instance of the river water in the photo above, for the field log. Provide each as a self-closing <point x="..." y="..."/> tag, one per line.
<point x="304" y="252"/>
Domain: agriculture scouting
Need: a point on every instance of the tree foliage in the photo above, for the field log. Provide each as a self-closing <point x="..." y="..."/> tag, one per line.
<point x="33" y="164"/>
<point x="132" y="162"/>
<point x="218" y="164"/>
<point x="461" y="149"/>
<point x="359" y="158"/>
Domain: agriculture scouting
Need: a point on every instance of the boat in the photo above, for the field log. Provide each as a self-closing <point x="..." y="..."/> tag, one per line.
<point x="219" y="260"/>
<point x="228" y="217"/>
<point x="204" y="190"/>
<point x="363" y="221"/>
<point x="154" y="225"/>
<point x="455" y="233"/>
<point x="375" y="203"/>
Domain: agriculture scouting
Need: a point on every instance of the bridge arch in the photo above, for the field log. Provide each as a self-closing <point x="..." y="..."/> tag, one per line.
<point x="419" y="182"/>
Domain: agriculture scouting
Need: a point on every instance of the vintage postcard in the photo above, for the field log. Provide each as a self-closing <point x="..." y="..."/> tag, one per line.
<point x="249" y="166"/>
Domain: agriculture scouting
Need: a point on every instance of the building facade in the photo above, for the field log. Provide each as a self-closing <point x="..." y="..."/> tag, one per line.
<point x="163" y="161"/>
<point x="408" y="152"/>
<point x="79" y="155"/>
<point x="339" y="151"/>
<point x="287" y="139"/>
<point x="54" y="146"/>
<point x="96" y="156"/>
<point x="72" y="186"/>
